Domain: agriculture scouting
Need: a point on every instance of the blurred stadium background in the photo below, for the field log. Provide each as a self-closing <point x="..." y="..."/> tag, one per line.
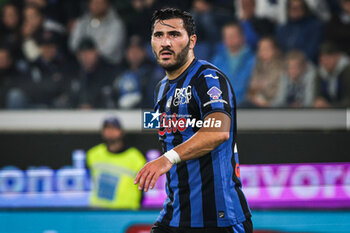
<point x="293" y="144"/>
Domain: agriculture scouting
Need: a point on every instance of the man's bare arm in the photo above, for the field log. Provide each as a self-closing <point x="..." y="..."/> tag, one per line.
<point x="201" y="143"/>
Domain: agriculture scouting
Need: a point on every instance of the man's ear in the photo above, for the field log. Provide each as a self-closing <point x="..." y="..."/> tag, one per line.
<point x="193" y="40"/>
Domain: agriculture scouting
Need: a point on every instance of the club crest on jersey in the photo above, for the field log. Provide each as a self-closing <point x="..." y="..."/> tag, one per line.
<point x="168" y="104"/>
<point x="182" y="95"/>
<point x="214" y="93"/>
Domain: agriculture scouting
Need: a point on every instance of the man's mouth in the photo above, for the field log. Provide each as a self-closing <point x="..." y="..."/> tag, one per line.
<point x="165" y="54"/>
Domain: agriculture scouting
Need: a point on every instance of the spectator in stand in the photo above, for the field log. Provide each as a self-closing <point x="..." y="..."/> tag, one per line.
<point x="337" y="29"/>
<point x="105" y="27"/>
<point x="235" y="59"/>
<point x="47" y="78"/>
<point x="302" y="31"/>
<point x="266" y="75"/>
<point x="207" y="21"/>
<point x="141" y="12"/>
<point x="10" y="96"/>
<point x="141" y="73"/>
<point x="34" y="23"/>
<point x="297" y="85"/>
<point x="32" y="27"/>
<point x="254" y="27"/>
<point x="93" y="86"/>
<point x="275" y="9"/>
<point x="333" y="85"/>
<point x="113" y="167"/>
<point x="10" y="27"/>
<point x="50" y="74"/>
<point x="54" y="10"/>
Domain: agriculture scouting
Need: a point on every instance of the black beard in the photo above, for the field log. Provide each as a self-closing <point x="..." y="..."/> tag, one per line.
<point x="180" y="59"/>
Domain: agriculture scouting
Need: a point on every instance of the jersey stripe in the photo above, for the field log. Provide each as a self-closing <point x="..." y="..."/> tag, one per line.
<point x="182" y="174"/>
<point x="168" y="215"/>
<point x="208" y="190"/>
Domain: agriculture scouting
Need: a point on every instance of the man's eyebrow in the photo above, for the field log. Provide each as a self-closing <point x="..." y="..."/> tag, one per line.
<point x="165" y="24"/>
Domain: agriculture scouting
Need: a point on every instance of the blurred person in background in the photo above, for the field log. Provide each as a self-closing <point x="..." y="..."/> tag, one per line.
<point x="254" y="27"/>
<point x="337" y="29"/>
<point x="34" y="23"/>
<point x="113" y="167"/>
<point x="275" y="9"/>
<point x="10" y="25"/>
<point x="10" y="96"/>
<point x="141" y="11"/>
<point x="32" y="27"/>
<point x="297" y="85"/>
<point x="208" y="20"/>
<point x="235" y="59"/>
<point x="47" y="78"/>
<point x="93" y="86"/>
<point x="105" y="27"/>
<point x="54" y="11"/>
<point x="141" y="73"/>
<point x="50" y="74"/>
<point x="333" y="84"/>
<point x="266" y="75"/>
<point x="303" y="31"/>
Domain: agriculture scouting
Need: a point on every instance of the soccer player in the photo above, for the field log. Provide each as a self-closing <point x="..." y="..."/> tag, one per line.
<point x="198" y="137"/>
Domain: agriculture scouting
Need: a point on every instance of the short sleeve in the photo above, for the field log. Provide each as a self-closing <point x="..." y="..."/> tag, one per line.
<point x="213" y="93"/>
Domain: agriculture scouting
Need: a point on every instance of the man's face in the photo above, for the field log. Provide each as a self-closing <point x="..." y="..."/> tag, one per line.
<point x="266" y="50"/>
<point x="296" y="10"/>
<point x="233" y="38"/>
<point x="48" y="51"/>
<point x="346" y="6"/>
<point x="329" y="61"/>
<point x="5" y="60"/>
<point x="171" y="43"/>
<point x="88" y="58"/>
<point x="248" y="7"/>
<point x="135" y="55"/>
<point x="98" y="8"/>
<point x="32" y="17"/>
<point x="111" y="134"/>
<point x="10" y="16"/>
<point x="295" y="69"/>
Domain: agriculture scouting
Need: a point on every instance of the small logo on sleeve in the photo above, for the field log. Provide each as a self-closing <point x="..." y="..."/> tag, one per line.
<point x="211" y="76"/>
<point x="214" y="93"/>
<point x="221" y="214"/>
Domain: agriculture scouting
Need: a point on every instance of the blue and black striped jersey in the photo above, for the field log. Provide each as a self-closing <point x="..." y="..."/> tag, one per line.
<point x="203" y="192"/>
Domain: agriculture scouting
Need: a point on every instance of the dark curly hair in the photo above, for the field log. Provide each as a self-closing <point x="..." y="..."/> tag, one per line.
<point x="173" y="13"/>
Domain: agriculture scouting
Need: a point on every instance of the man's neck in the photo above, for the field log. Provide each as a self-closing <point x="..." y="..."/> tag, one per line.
<point x="101" y="16"/>
<point x="115" y="148"/>
<point x="176" y="73"/>
<point x="235" y="51"/>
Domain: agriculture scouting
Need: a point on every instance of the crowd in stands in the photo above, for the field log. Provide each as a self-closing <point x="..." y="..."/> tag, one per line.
<point x="63" y="54"/>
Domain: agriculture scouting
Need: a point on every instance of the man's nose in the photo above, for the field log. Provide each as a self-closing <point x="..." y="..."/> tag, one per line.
<point x="166" y="42"/>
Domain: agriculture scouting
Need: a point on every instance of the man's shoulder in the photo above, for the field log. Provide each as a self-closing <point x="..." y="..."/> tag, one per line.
<point x="97" y="148"/>
<point x="208" y="70"/>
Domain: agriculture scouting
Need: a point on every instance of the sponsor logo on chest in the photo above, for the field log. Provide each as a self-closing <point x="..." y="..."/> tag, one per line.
<point x="182" y="95"/>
